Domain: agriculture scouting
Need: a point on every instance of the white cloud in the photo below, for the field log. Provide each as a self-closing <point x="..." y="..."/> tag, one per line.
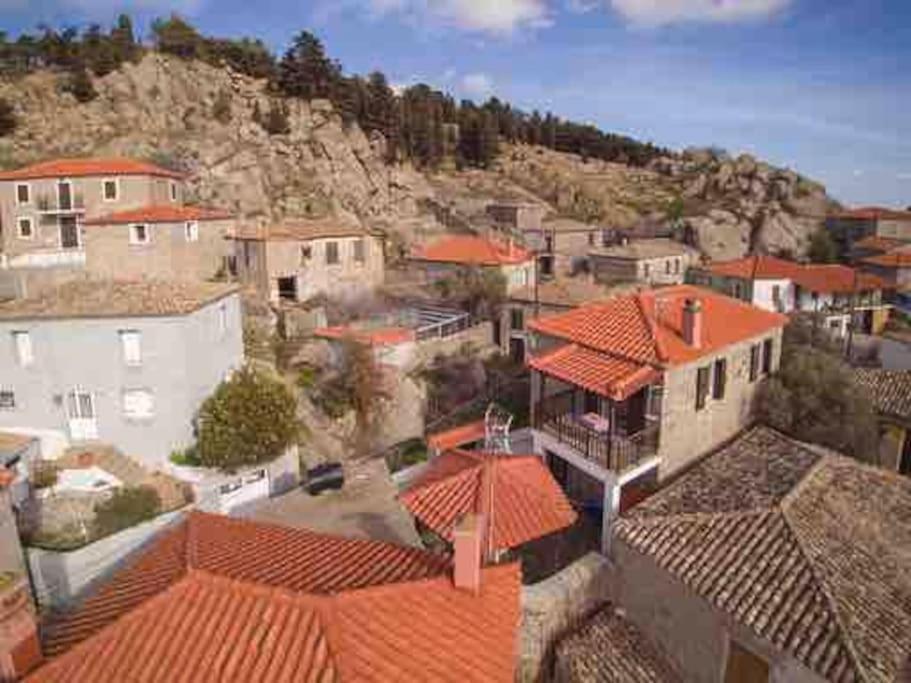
<point x="485" y="16"/>
<point x="660" y="12"/>
<point x="477" y="85"/>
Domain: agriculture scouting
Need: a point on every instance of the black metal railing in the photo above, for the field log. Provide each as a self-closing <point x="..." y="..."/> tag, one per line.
<point x="615" y="452"/>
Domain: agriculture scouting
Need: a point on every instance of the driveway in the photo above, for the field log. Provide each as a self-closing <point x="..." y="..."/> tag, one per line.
<point x="365" y="508"/>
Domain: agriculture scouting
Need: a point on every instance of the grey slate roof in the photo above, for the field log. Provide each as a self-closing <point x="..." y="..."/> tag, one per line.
<point x="809" y="550"/>
<point x="609" y="649"/>
<point x="889" y="389"/>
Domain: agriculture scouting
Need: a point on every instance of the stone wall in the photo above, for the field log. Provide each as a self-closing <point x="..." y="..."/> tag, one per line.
<point x="553" y="607"/>
<point x="11" y="559"/>
<point x="479" y="336"/>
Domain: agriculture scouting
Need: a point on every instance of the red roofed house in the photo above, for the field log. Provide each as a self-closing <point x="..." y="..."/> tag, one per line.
<point x="775" y="284"/>
<point x="849" y="227"/>
<point x="232" y="600"/>
<point x="449" y="254"/>
<point x="117" y="217"/>
<point x="894" y="267"/>
<point x="635" y="388"/>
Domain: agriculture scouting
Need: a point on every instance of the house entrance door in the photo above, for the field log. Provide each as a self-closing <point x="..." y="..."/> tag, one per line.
<point x="83" y="422"/>
<point x="69" y="232"/>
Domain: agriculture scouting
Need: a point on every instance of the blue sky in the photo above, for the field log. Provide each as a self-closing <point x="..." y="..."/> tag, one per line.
<point x="823" y="86"/>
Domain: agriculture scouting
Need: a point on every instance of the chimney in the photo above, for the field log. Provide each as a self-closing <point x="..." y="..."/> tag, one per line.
<point x="467" y="542"/>
<point x="20" y="649"/>
<point x="692" y="322"/>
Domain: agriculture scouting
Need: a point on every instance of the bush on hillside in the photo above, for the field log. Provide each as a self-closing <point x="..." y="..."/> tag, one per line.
<point x="127" y="507"/>
<point x="79" y="85"/>
<point x="8" y="120"/>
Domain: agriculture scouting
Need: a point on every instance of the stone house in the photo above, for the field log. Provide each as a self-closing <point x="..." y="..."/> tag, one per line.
<point x="124" y="362"/>
<point x="839" y="294"/>
<point x="770" y="560"/>
<point x="893" y="267"/>
<point x="451" y="254"/>
<point x="849" y="227"/>
<point x="653" y="262"/>
<point x="890" y="391"/>
<point x="630" y="391"/>
<point x="301" y="259"/>
<point x="518" y="216"/>
<point x="562" y="245"/>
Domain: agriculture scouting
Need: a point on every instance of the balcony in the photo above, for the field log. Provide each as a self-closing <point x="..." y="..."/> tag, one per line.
<point x="615" y="449"/>
<point x="51" y="204"/>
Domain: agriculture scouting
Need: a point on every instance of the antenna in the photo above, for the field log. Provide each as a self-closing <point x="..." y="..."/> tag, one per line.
<point x="497" y="422"/>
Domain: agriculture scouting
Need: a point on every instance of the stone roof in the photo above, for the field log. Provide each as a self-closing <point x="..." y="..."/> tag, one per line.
<point x="889" y="389"/>
<point x="609" y="649"/>
<point x="302" y="230"/>
<point x="116" y="299"/>
<point x="233" y="600"/>
<point x="641" y="250"/>
<point x="808" y="549"/>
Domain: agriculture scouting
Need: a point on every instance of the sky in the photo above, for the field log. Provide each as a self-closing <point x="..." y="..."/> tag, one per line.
<point x="821" y="86"/>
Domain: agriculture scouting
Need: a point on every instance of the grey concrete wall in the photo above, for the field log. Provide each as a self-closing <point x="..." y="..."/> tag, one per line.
<point x="665" y="270"/>
<point x="480" y="336"/>
<point x="183" y="360"/>
<point x="691" y="632"/>
<point x="11" y="558"/>
<point x="60" y="579"/>
<point x="556" y="605"/>
<point x="688" y="434"/>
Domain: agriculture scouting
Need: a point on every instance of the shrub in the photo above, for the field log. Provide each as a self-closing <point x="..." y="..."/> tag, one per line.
<point x="8" y="120"/>
<point x="221" y="109"/>
<point x="251" y="418"/>
<point x="822" y="247"/>
<point x="79" y="85"/>
<point x="276" y="120"/>
<point x="186" y="458"/>
<point x="125" y="508"/>
<point x="43" y="474"/>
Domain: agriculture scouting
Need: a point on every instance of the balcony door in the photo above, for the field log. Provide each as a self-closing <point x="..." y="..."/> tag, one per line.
<point x="69" y="232"/>
<point x="83" y="421"/>
<point x="64" y="195"/>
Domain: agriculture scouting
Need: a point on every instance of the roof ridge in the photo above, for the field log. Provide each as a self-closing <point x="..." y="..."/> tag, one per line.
<point x="700" y="516"/>
<point x="660" y="351"/>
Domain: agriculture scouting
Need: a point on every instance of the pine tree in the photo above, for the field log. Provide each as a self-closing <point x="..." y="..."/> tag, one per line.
<point x="305" y="71"/>
<point x="8" y="120"/>
<point x="123" y="41"/>
<point x="79" y="84"/>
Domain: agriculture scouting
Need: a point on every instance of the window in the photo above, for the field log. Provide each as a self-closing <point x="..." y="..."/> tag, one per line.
<point x="23" y="193"/>
<point x="331" y="253"/>
<point x="738" y="290"/>
<point x="173" y="189"/>
<point x="139" y="234"/>
<point x="702" y="386"/>
<point x="517" y="319"/>
<point x="22" y="341"/>
<point x="26" y="227"/>
<point x="287" y="288"/>
<point x="306" y="253"/>
<point x="549" y="243"/>
<point x="676" y="266"/>
<point x="591" y="239"/>
<point x="766" y="356"/>
<point x="131" y="345"/>
<point x="720" y="379"/>
<point x="110" y="189"/>
<point x="138" y="404"/>
<point x="191" y="231"/>
<point x="646" y="270"/>
<point x="667" y="267"/>
<point x="745" y="667"/>
<point x="359" y="255"/>
<point x="7" y="399"/>
<point x="754" y="362"/>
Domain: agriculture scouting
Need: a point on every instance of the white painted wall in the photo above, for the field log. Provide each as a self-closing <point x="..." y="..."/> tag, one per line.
<point x="764" y="294"/>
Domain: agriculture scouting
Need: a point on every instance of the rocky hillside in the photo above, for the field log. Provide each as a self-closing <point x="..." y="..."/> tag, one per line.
<point x="203" y="119"/>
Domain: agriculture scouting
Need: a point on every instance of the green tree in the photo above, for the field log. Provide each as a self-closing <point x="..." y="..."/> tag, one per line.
<point x="305" y="71"/>
<point x="125" y="508"/>
<point x="79" y="84"/>
<point x="250" y="419"/>
<point x="822" y="247"/>
<point x="221" y="108"/>
<point x="8" y="120"/>
<point x="123" y="41"/>
<point x="276" y="120"/>
<point x="176" y="36"/>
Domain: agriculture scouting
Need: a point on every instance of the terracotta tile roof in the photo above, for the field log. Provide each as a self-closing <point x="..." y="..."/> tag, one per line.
<point x="458" y="436"/>
<point x="238" y="601"/>
<point x="527" y="502"/>
<point x="875" y="213"/>
<point x="164" y="213"/>
<point x="808" y="549"/>
<point x="647" y="327"/>
<point x="116" y="298"/>
<point x="877" y="243"/>
<point x="381" y="336"/>
<point x="615" y="378"/>
<point x="302" y="230"/>
<point x="894" y="259"/>
<point x="889" y="389"/>
<point x="610" y="649"/>
<point x="73" y="168"/>
<point x="472" y="250"/>
<point x="814" y="277"/>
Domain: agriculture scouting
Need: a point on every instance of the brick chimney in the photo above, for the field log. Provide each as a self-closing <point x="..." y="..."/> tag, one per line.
<point x="20" y="649"/>
<point x="467" y="543"/>
<point x="692" y="323"/>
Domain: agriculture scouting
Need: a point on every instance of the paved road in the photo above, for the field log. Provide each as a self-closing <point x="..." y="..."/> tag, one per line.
<point x="893" y="354"/>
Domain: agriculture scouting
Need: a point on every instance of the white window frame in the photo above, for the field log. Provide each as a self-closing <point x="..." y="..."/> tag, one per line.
<point x="12" y="393"/>
<point x="148" y="404"/>
<point x="131" y="347"/>
<point x="104" y="194"/>
<point x="191" y="231"/>
<point x="28" y="186"/>
<point x="22" y="345"/>
<point x="31" y="227"/>
<point x="172" y="190"/>
<point x="148" y="234"/>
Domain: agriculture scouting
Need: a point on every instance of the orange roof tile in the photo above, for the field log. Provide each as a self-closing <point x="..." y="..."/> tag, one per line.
<point x="615" y="378"/>
<point x="875" y="213"/>
<point x="164" y="213"/>
<point x="472" y="250"/>
<point x="382" y="336"/>
<point x="74" y="168"/>
<point x="646" y="327"/>
<point x="877" y="243"/>
<point x="458" y="436"/>
<point x="527" y="502"/>
<point x="894" y="259"/>
<point x="238" y="601"/>
<point x="830" y="278"/>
